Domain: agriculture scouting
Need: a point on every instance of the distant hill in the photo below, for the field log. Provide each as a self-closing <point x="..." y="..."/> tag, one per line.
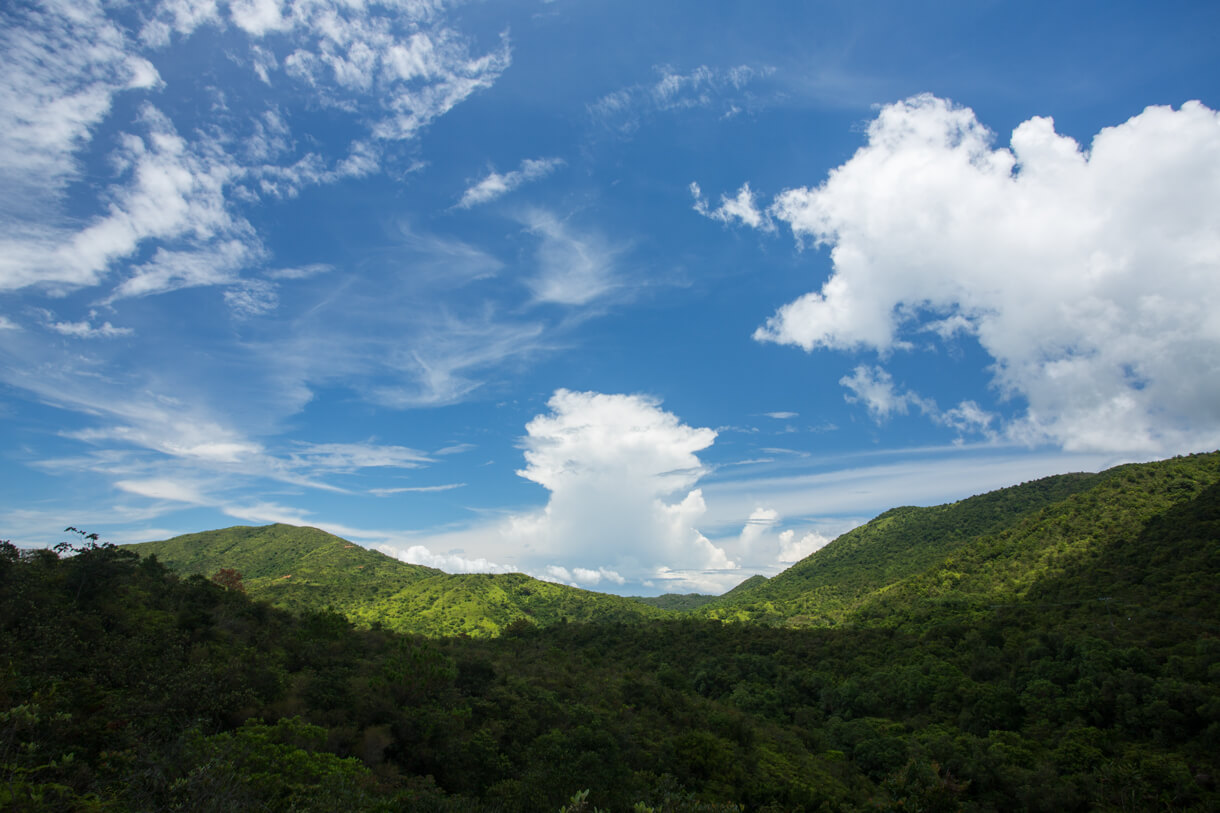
<point x="299" y="569"/>
<point x="1006" y="545"/>
<point x="678" y="602"/>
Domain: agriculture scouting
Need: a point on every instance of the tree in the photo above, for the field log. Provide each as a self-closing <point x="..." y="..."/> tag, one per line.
<point x="229" y="579"/>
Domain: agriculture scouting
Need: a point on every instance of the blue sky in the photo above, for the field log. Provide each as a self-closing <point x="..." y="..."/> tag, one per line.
<point x="639" y="297"/>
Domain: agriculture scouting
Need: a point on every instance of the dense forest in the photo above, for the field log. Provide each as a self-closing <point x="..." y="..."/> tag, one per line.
<point x="1054" y="646"/>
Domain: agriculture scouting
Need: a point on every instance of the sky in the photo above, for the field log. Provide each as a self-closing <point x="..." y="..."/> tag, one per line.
<point x="640" y="297"/>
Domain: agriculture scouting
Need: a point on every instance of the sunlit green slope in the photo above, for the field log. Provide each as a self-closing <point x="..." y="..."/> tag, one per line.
<point x="483" y="604"/>
<point x="294" y="568"/>
<point x="1005" y="545"/>
<point x="308" y="569"/>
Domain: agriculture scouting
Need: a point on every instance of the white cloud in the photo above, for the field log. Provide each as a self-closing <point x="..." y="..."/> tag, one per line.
<point x="252" y="297"/>
<point x="496" y="185"/>
<point x="441" y="363"/>
<point x="178" y="16"/>
<point x="794" y="550"/>
<point x="352" y="456"/>
<point x="782" y="416"/>
<point x="702" y="87"/>
<point x="457" y="448"/>
<point x="86" y="330"/>
<point x="757" y="527"/>
<point x="741" y="208"/>
<point x="163" y="489"/>
<point x="175" y="436"/>
<point x="764" y="548"/>
<point x="612" y="463"/>
<point x="452" y="562"/>
<point x="1090" y="277"/>
<point x="385" y="492"/>
<point x="851" y="491"/>
<point x="301" y="271"/>
<point x="391" y="67"/>
<point x="968" y="417"/>
<point x="62" y="63"/>
<point x="574" y="268"/>
<point x="556" y="573"/>
<point x="591" y="578"/>
<point x="874" y="387"/>
<point x="267" y="512"/>
<point x="173" y="192"/>
<point x="397" y="58"/>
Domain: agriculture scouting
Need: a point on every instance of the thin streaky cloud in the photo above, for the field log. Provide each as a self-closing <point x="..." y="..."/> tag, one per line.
<point x="385" y="492"/>
<point x="496" y="185"/>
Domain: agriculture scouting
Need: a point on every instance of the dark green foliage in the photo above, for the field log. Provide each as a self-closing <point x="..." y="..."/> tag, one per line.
<point x="1067" y="659"/>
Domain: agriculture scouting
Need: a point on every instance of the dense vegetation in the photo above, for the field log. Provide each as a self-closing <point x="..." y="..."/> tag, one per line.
<point x="1063" y="655"/>
<point x="308" y="569"/>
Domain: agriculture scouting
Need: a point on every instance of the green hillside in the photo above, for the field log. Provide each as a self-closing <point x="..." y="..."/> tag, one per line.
<point x="1136" y="542"/>
<point x="481" y="604"/>
<point x="303" y="569"/>
<point x="291" y="567"/>
<point x="989" y="548"/>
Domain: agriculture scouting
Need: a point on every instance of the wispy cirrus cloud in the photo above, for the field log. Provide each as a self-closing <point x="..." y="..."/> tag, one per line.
<point x="123" y="178"/>
<point x="574" y="266"/>
<point x="63" y="64"/>
<point x="352" y="456"/>
<point x="389" y="68"/>
<point x="386" y="492"/>
<point x="624" y="109"/>
<point x="495" y="185"/>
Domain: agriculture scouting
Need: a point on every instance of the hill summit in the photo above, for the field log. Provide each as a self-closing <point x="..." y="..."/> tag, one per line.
<point x="301" y="568"/>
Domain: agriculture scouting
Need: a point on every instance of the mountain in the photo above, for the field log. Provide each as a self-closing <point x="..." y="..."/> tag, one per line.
<point x="1004" y="546"/>
<point x="304" y="569"/>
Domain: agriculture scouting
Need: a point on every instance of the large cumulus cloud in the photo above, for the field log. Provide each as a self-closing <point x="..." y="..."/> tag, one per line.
<point x="620" y="471"/>
<point x="1090" y="276"/>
